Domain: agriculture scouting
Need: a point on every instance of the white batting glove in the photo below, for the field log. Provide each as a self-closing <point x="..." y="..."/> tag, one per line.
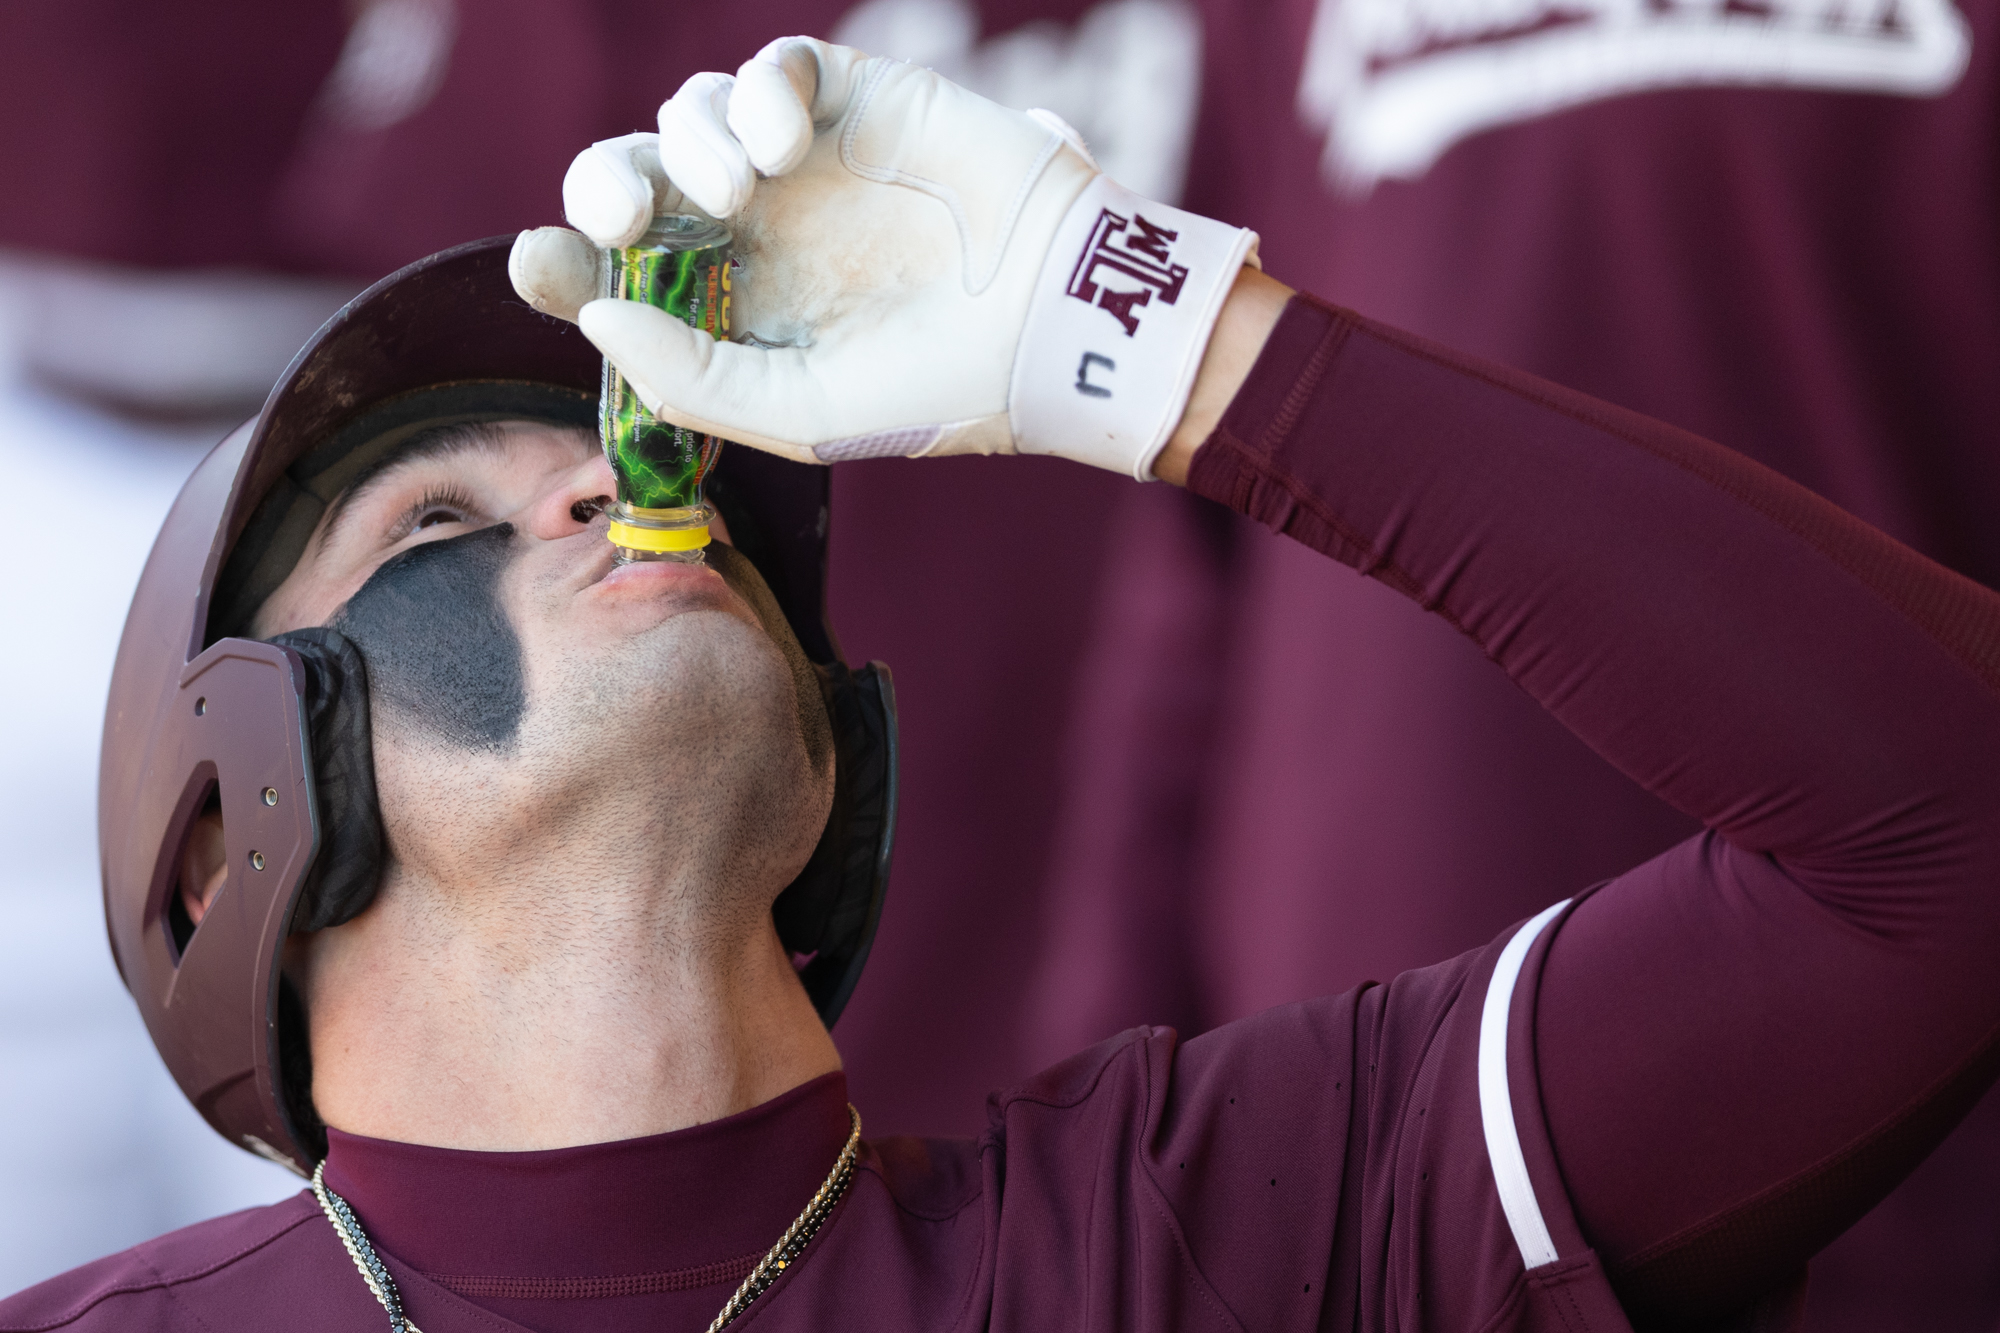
<point x="926" y="272"/>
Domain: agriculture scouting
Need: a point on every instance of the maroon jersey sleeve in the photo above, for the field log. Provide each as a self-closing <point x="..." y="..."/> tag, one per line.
<point x="1737" y="1047"/>
<point x="1320" y="1165"/>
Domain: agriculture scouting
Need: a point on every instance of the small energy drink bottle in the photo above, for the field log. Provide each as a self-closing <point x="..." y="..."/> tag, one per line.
<point x="682" y="265"/>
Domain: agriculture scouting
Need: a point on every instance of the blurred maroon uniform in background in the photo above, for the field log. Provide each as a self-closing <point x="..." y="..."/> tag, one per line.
<point x="1277" y="786"/>
<point x="155" y="133"/>
<point x="1216" y="772"/>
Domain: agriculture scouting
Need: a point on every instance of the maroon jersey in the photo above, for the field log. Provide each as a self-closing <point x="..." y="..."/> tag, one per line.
<point x="1774" y="230"/>
<point x="1660" y="1096"/>
<point x="1140" y="1185"/>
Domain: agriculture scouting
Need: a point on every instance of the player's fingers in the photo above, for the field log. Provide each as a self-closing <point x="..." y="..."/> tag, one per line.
<point x="697" y="150"/>
<point x="683" y="375"/>
<point x="554" y="270"/>
<point x="770" y="112"/>
<point x="608" y="192"/>
<point x="787" y="91"/>
<point x="615" y="187"/>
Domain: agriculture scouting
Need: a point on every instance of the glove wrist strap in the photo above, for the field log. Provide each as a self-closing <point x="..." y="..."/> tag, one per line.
<point x="1120" y="317"/>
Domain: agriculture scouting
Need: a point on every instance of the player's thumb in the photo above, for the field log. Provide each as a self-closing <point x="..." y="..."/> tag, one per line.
<point x="554" y="270"/>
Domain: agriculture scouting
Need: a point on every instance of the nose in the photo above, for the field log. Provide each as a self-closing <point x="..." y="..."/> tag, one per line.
<point x="572" y="500"/>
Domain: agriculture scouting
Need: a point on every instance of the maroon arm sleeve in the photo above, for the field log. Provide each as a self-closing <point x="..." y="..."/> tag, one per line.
<point x="1744" y="1043"/>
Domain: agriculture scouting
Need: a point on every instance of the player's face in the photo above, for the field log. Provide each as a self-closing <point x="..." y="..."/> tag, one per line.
<point x="548" y="482"/>
<point x="520" y="680"/>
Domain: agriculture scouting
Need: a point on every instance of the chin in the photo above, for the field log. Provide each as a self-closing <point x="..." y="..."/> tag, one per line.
<point x="702" y="695"/>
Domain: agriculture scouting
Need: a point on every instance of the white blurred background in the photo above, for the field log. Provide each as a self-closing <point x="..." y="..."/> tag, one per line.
<point x="98" y="1149"/>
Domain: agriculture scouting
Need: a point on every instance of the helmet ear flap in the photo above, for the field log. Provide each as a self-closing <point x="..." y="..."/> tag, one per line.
<point x="829" y="913"/>
<point x="341" y="753"/>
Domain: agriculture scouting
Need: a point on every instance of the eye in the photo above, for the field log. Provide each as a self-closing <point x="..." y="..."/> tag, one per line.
<point x="438" y="505"/>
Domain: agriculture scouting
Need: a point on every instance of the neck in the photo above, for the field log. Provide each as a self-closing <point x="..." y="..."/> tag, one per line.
<point x="549" y="1020"/>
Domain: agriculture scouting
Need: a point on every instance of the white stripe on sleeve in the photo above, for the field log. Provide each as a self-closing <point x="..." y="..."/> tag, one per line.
<point x="1496" y="1106"/>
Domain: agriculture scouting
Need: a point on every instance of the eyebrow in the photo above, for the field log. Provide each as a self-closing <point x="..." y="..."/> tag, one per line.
<point x="426" y="446"/>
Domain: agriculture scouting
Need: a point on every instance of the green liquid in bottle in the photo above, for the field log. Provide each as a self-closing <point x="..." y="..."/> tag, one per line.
<point x="682" y="265"/>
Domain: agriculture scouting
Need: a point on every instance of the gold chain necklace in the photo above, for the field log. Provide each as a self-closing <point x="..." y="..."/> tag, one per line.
<point x="778" y="1258"/>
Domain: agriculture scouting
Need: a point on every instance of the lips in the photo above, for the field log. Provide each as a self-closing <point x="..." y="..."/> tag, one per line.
<point x="660" y="574"/>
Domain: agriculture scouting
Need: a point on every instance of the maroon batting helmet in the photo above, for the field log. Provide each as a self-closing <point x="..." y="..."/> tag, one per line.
<point x="200" y="719"/>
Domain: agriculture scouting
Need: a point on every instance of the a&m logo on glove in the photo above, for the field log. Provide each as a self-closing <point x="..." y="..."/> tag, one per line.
<point x="1086" y="382"/>
<point x="1126" y="262"/>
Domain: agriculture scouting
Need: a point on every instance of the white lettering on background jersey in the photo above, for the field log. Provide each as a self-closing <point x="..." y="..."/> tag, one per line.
<point x="1394" y="83"/>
